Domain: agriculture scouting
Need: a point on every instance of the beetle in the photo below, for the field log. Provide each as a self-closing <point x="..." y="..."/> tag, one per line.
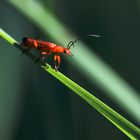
<point x="47" y="48"/>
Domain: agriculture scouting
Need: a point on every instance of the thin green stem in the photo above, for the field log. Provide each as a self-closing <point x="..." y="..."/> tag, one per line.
<point x="7" y="37"/>
<point x="119" y="121"/>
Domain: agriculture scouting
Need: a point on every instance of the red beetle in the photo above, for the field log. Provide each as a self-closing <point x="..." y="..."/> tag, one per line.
<point x="48" y="48"/>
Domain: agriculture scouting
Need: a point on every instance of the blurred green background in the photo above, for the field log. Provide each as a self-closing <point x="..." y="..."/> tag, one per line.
<point x="33" y="104"/>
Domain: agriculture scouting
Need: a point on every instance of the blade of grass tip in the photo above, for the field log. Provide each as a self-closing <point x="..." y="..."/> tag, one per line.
<point x="123" y="124"/>
<point x="99" y="73"/>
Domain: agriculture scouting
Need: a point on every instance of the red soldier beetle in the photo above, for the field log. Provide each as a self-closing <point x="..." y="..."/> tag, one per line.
<point x="48" y="48"/>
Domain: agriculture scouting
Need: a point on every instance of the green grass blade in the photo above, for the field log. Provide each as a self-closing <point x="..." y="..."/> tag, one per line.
<point x="123" y="124"/>
<point x="7" y="37"/>
<point x="98" y="72"/>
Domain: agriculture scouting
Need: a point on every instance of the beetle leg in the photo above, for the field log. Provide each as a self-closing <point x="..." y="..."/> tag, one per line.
<point x="57" y="61"/>
<point x="55" y="58"/>
<point x="35" y="43"/>
<point x="25" y="50"/>
<point x="42" y="56"/>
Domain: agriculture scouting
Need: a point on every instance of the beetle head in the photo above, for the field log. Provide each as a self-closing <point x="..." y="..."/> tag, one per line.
<point x="67" y="51"/>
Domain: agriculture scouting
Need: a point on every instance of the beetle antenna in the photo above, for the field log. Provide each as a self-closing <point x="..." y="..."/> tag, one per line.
<point x="71" y="43"/>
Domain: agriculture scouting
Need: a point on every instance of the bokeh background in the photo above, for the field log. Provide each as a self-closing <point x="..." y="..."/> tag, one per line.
<point x="33" y="104"/>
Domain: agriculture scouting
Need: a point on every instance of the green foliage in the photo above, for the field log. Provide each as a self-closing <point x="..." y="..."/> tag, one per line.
<point x="123" y="124"/>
